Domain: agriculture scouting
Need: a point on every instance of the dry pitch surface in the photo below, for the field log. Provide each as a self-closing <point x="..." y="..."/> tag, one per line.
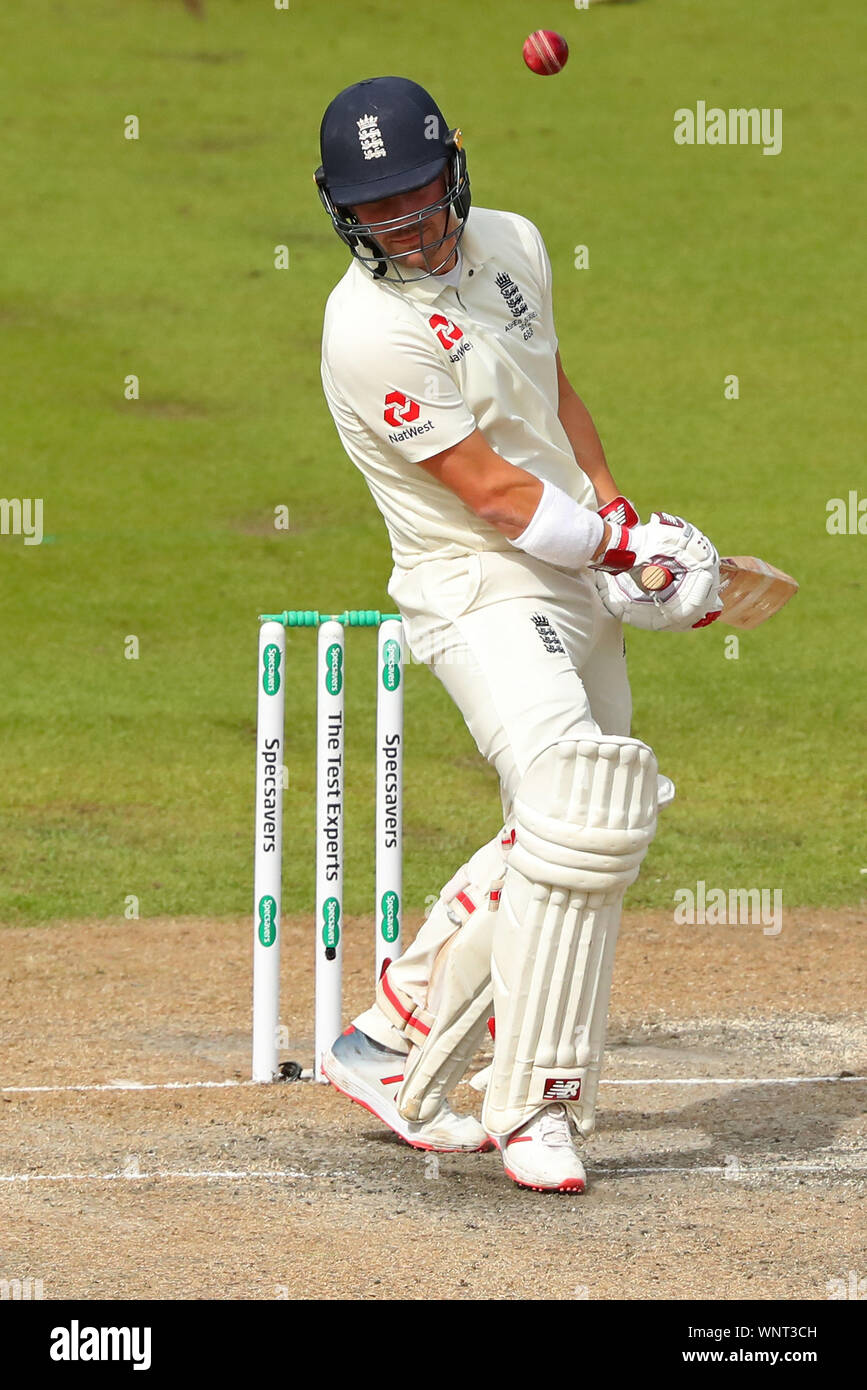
<point x="699" y="1190"/>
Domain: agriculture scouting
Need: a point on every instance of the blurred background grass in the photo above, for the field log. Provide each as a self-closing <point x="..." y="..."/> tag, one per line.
<point x="155" y="257"/>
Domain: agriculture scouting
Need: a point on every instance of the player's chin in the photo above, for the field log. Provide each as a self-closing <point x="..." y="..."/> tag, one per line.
<point x="414" y="260"/>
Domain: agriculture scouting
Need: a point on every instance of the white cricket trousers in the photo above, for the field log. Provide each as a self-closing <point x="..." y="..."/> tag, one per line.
<point x="530" y="656"/>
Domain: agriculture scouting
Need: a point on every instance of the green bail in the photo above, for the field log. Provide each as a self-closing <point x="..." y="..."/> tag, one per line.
<point x="311" y="617"/>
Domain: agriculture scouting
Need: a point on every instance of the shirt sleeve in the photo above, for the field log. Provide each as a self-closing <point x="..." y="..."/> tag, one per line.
<point x="398" y="388"/>
<point x="535" y="244"/>
<point x="547" y="284"/>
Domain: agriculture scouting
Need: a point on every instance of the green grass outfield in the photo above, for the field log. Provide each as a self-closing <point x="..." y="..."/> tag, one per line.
<point x="155" y="257"/>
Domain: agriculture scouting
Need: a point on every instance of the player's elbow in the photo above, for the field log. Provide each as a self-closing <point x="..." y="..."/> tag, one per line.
<point x="488" y="503"/>
<point x="510" y="505"/>
<point x="492" y="488"/>
<point x="496" y="509"/>
<point x="470" y="469"/>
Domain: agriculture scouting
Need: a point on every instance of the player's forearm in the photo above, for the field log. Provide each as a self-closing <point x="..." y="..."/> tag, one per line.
<point x="586" y="445"/>
<point x="513" y="508"/>
<point x="509" y="497"/>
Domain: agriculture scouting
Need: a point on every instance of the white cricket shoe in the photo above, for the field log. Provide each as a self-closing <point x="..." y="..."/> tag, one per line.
<point x="371" y="1075"/>
<point x="541" y="1154"/>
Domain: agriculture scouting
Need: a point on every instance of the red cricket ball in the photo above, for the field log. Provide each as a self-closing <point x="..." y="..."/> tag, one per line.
<point x="545" y="52"/>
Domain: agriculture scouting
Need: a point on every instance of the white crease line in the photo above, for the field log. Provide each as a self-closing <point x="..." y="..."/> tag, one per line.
<point x="135" y="1086"/>
<point x="635" y="1081"/>
<point x="731" y="1080"/>
<point x="185" y="1174"/>
<point x="738" y="1174"/>
<point x="295" y="1175"/>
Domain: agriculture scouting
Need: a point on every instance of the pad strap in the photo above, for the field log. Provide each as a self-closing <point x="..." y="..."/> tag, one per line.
<point x="402" y="1011"/>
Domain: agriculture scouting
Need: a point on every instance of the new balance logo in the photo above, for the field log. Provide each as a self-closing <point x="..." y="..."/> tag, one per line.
<point x="562" y="1088"/>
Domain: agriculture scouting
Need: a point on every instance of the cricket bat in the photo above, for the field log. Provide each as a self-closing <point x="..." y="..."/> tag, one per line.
<point x="751" y="590"/>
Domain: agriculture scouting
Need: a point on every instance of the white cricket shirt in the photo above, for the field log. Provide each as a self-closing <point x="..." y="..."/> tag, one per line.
<point x="409" y="370"/>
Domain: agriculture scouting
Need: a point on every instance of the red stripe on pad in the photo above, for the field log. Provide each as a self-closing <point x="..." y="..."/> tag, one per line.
<point x="409" y="1019"/>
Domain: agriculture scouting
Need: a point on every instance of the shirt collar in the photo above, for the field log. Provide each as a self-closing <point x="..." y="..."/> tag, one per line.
<point x="430" y="289"/>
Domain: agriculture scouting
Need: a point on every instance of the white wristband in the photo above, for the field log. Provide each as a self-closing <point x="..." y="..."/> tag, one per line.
<point x="561" y="531"/>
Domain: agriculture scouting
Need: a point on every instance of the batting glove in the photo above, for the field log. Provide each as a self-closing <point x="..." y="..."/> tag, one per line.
<point x="689" y="598"/>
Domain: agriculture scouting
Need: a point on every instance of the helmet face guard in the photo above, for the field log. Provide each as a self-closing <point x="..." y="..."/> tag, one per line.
<point x="361" y="237"/>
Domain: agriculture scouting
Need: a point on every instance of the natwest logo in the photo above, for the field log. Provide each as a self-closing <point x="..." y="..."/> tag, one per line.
<point x="399" y="409"/>
<point x="448" y="332"/>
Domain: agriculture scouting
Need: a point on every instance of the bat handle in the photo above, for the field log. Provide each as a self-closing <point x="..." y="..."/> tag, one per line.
<point x="654" y="578"/>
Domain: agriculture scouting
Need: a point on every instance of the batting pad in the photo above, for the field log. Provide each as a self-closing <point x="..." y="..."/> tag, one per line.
<point x="446" y="1032"/>
<point x="460" y="1005"/>
<point x="585" y="814"/>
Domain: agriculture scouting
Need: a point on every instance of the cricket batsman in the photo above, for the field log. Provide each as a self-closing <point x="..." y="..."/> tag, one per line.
<point x="516" y="561"/>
